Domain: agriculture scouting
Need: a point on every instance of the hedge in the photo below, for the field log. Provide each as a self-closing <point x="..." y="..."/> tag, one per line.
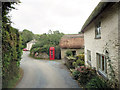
<point x="11" y="47"/>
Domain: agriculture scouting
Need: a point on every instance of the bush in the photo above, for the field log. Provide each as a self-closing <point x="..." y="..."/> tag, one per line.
<point x="85" y="74"/>
<point x="96" y="82"/>
<point x="11" y="54"/>
<point x="68" y="53"/>
<point x="75" y="74"/>
<point x="80" y="56"/>
<point x="69" y="61"/>
<point x="10" y="48"/>
<point x="80" y="63"/>
<point x="74" y="64"/>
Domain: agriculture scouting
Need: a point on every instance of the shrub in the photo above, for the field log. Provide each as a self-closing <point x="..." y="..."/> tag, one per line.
<point x="80" y="63"/>
<point x="75" y="74"/>
<point x="69" y="61"/>
<point x="68" y="53"/>
<point x="85" y="74"/>
<point x="11" y="54"/>
<point x="80" y="56"/>
<point x="96" y="82"/>
<point x="113" y="84"/>
<point x="74" y="64"/>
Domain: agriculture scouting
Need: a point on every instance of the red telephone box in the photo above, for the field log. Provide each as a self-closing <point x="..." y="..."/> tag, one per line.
<point x="52" y="53"/>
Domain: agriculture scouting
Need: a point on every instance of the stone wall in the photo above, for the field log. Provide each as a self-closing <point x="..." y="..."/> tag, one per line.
<point x="108" y="41"/>
<point x="43" y="56"/>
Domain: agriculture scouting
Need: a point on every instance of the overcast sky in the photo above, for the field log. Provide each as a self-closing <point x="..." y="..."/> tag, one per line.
<point x="40" y="16"/>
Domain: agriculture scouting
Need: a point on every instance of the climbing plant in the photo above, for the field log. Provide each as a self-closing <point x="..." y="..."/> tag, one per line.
<point x="113" y="82"/>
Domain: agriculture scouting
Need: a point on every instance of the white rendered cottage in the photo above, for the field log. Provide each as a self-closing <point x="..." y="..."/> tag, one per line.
<point x="101" y="39"/>
<point x="29" y="44"/>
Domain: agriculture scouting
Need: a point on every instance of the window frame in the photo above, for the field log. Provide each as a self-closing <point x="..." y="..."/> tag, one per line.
<point x="98" y="27"/>
<point x="89" y="56"/>
<point x="100" y="66"/>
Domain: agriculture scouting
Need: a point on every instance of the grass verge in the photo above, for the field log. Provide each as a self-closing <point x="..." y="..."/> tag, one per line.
<point x="16" y="80"/>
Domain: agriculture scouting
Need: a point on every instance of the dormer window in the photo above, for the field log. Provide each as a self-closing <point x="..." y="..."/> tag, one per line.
<point x="98" y="31"/>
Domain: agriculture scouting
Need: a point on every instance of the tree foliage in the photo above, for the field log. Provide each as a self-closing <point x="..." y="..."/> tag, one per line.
<point x="11" y="46"/>
<point x="45" y="41"/>
<point x="26" y="36"/>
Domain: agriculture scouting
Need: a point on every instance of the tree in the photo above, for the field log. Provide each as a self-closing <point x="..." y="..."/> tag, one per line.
<point x="26" y="36"/>
<point x="46" y="41"/>
<point x="56" y="32"/>
<point x="50" y="32"/>
<point x="36" y="36"/>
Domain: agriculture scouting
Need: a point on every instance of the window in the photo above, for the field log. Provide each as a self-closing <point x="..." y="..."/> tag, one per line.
<point x="73" y="53"/>
<point x="51" y="53"/>
<point x="89" y="57"/>
<point x="98" y="30"/>
<point x="102" y="64"/>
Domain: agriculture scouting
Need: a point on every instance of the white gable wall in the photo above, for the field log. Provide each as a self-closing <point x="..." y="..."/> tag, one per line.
<point x="29" y="46"/>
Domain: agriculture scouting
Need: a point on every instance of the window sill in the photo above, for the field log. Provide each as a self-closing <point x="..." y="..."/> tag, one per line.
<point x="89" y="62"/>
<point x="102" y="74"/>
<point x="97" y="37"/>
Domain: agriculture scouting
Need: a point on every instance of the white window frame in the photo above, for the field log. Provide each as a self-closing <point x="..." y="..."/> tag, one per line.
<point x="89" y="57"/>
<point x="104" y="72"/>
<point x="98" y="29"/>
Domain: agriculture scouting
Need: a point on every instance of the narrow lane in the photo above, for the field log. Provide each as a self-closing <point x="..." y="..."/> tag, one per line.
<point x="45" y="74"/>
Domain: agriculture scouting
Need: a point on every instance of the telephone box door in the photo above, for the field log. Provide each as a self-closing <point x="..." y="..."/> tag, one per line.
<point x="52" y="53"/>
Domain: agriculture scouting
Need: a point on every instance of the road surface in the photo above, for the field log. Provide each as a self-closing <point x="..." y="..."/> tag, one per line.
<point x="44" y="74"/>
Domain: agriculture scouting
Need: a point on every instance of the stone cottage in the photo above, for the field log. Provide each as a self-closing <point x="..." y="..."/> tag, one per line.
<point x="74" y="43"/>
<point x="29" y="44"/>
<point x="101" y="39"/>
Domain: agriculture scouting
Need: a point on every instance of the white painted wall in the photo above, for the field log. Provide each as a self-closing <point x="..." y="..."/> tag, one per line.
<point x="29" y="46"/>
<point x="109" y="34"/>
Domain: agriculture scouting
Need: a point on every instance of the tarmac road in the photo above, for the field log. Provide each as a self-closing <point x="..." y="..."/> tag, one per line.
<point x="45" y="74"/>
